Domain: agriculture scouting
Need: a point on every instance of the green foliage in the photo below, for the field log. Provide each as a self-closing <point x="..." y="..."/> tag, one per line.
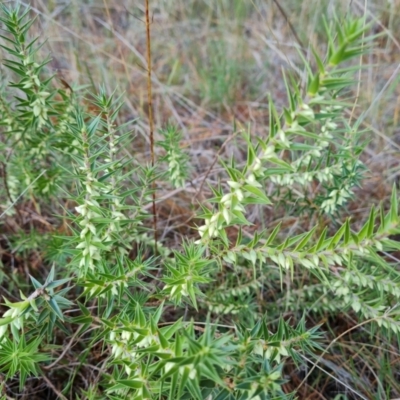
<point x="177" y="160"/>
<point x="22" y="357"/>
<point x="133" y="305"/>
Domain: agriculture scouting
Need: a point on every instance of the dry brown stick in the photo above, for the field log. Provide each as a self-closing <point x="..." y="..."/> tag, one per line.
<point x="151" y="121"/>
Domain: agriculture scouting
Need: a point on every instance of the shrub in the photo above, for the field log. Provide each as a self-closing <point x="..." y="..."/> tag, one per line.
<point x="148" y="313"/>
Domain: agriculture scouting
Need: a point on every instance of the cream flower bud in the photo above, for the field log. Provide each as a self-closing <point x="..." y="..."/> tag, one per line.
<point x="234" y="185"/>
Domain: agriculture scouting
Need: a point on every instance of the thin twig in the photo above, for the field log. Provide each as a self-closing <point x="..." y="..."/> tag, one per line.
<point x="53" y="388"/>
<point x="151" y="121"/>
<point x="340" y="381"/>
<point x="283" y="12"/>
<point x="12" y="205"/>
<point x="4" y="173"/>
<point x="67" y="347"/>
<point x="212" y="165"/>
<point x="331" y="344"/>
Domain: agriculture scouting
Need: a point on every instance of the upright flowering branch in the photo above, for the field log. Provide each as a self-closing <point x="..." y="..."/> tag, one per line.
<point x="177" y="170"/>
<point x="309" y="129"/>
<point x="29" y="127"/>
<point x="37" y="103"/>
<point x="109" y="107"/>
<point x="90" y="240"/>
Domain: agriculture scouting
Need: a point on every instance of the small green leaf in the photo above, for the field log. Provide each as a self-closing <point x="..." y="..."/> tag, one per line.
<point x="5" y="320"/>
<point x="36" y="284"/>
<point x="382" y="218"/>
<point x="56" y="309"/>
<point x="305" y="240"/>
<point x="371" y="223"/>
<point x="285" y="165"/>
<point x="319" y="62"/>
<point x="260" y="195"/>
<point x="313" y="86"/>
<point x="50" y="277"/>
<point x="273" y="234"/>
<point x="274" y="121"/>
<point x="251" y="155"/>
<point x="130" y="383"/>
<point x="140" y="318"/>
<point x="91" y="129"/>
<point x="394" y="207"/>
<point x="347" y="235"/>
<point x="288" y="117"/>
<point x="57" y="283"/>
<point x="338" y="235"/>
<point x="321" y="241"/>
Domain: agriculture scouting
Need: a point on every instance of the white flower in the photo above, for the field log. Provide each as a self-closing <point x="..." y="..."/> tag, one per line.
<point x="202" y="230"/>
<point x="226" y="198"/>
<point x="257" y="164"/>
<point x="227" y="215"/>
<point x="269" y="152"/>
<point x="82" y="209"/>
<point x="234" y="185"/>
<point x="239" y="194"/>
<point x="251" y="180"/>
<point x="126" y="335"/>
